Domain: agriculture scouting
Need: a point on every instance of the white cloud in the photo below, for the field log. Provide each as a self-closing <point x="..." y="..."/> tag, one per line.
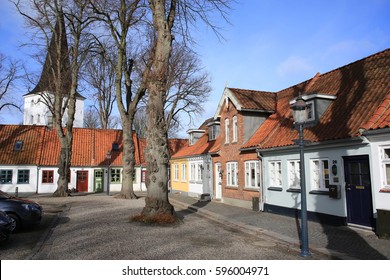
<point x="294" y="65"/>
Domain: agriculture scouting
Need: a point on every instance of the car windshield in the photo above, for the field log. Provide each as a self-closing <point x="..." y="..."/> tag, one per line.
<point x="4" y="195"/>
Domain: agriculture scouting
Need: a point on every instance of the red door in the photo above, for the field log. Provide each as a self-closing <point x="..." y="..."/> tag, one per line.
<point x="82" y="181"/>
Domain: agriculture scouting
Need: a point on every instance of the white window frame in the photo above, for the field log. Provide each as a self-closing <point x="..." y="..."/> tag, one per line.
<point x="235" y="129"/>
<point x="319" y="174"/>
<point x="232" y="174"/>
<point x="184" y="172"/>
<point x="192" y="171"/>
<point x="385" y="162"/>
<point x="275" y="173"/>
<point x="227" y="128"/>
<point x="175" y="172"/>
<point x="294" y="174"/>
<point x="252" y="168"/>
<point x="199" y="175"/>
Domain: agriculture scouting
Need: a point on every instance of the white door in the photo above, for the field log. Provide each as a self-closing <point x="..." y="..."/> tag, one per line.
<point x="218" y="181"/>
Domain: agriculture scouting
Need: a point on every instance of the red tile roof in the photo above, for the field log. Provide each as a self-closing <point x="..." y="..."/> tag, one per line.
<point x="41" y="146"/>
<point x="254" y="99"/>
<point x="32" y="141"/>
<point x="362" y="91"/>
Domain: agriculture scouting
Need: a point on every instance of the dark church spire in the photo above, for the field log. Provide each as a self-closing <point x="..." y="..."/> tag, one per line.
<point x="58" y="48"/>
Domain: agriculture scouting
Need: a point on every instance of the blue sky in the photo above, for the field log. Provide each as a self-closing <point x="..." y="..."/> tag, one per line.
<point x="270" y="44"/>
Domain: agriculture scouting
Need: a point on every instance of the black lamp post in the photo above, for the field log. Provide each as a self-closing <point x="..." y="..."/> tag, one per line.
<point x="300" y="116"/>
<point x="108" y="157"/>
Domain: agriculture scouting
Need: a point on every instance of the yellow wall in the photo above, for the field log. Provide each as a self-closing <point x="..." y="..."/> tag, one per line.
<point x="182" y="183"/>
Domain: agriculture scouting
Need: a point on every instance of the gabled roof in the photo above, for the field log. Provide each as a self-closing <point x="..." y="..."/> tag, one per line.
<point x="362" y="98"/>
<point x="248" y="100"/>
<point x="202" y="145"/>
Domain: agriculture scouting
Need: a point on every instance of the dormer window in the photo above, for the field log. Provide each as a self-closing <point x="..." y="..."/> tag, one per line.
<point x="194" y="135"/>
<point x="115" y="146"/>
<point x="317" y="104"/>
<point x="213" y="132"/>
<point x="18" y="145"/>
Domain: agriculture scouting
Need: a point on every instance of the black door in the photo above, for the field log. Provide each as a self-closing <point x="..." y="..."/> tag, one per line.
<point x="358" y="191"/>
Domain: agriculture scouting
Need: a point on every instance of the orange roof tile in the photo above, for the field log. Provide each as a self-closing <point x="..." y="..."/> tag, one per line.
<point x="254" y="99"/>
<point x="31" y="137"/>
<point x="361" y="89"/>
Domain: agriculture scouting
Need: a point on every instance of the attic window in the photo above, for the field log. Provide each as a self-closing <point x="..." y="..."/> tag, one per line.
<point x="18" y="145"/>
<point x="115" y="147"/>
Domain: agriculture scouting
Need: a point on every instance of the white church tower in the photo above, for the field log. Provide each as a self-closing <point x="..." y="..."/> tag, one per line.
<point x="36" y="109"/>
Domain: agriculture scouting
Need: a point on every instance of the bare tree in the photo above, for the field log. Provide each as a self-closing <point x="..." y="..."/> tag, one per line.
<point x="188" y="87"/>
<point x="167" y="14"/>
<point x="60" y="75"/>
<point x="119" y="17"/>
<point x="91" y="118"/>
<point x="100" y="75"/>
<point x="8" y="76"/>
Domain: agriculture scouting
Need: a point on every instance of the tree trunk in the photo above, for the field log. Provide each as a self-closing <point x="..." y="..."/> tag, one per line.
<point x="157" y="157"/>
<point x="63" y="172"/>
<point x="157" y="152"/>
<point x="128" y="161"/>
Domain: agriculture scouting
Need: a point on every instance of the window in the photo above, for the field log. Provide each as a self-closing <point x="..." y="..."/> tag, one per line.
<point x="176" y="172"/>
<point x="310" y="111"/>
<point x="184" y="172"/>
<point x="192" y="140"/>
<point x="47" y="176"/>
<point x="213" y="132"/>
<point x="115" y="175"/>
<point x="18" y="145"/>
<point x="5" y="176"/>
<point x="192" y="171"/>
<point x="200" y="173"/>
<point x="235" y="129"/>
<point x="227" y="131"/>
<point x="294" y="174"/>
<point x="143" y="176"/>
<point x="23" y="176"/>
<point x="275" y="175"/>
<point x="232" y="174"/>
<point x="320" y="174"/>
<point x="115" y="147"/>
<point x="386" y="166"/>
<point x="252" y="174"/>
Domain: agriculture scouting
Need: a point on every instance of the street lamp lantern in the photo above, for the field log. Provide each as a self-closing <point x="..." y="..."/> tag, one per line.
<point x="299" y="111"/>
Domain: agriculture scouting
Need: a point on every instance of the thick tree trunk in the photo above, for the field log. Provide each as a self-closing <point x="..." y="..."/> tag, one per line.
<point x="157" y="152"/>
<point x="128" y="161"/>
<point x="157" y="157"/>
<point x="63" y="172"/>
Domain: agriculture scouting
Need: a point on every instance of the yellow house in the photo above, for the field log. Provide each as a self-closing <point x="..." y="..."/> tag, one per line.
<point x="179" y="175"/>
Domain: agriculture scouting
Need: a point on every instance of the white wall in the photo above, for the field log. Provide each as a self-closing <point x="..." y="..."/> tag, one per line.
<point x="36" y="111"/>
<point x="22" y="187"/>
<point x="381" y="199"/>
<point x="315" y="202"/>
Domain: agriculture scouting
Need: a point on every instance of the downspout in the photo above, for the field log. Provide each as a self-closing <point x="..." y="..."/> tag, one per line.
<point x="261" y="193"/>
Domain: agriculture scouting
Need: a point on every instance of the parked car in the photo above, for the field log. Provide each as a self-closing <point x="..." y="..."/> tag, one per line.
<point x="22" y="211"/>
<point x="6" y="226"/>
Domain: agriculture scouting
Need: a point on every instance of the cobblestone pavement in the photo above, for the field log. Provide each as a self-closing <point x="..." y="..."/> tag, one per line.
<point x="341" y="242"/>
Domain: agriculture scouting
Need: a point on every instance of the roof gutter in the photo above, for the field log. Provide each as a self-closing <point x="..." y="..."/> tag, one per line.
<point x="315" y="145"/>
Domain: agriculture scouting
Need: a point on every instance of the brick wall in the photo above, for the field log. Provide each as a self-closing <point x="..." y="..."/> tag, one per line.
<point x="231" y="153"/>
